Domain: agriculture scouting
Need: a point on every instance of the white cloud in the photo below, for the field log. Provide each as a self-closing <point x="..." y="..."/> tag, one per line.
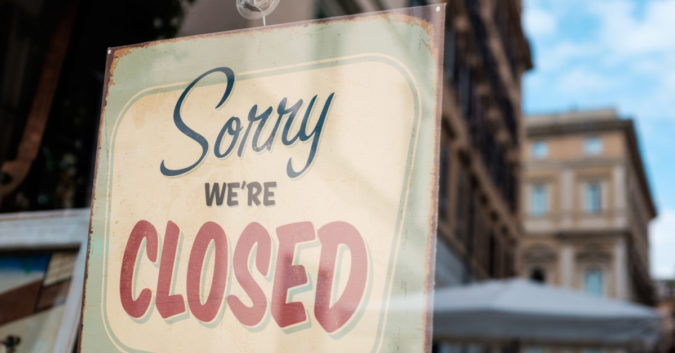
<point x="662" y="244"/>
<point x="539" y="22"/>
<point x="627" y="59"/>
<point x="583" y="81"/>
<point x="626" y="34"/>
<point x="564" y="53"/>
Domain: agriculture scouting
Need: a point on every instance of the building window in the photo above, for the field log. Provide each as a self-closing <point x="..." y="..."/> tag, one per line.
<point x="461" y="205"/>
<point x="594" y="282"/>
<point x="593" y="197"/>
<point x="492" y="256"/>
<point x="443" y="184"/>
<point x="538" y="275"/>
<point x="593" y="146"/>
<point x="539" y="200"/>
<point x="449" y="54"/>
<point x="539" y="149"/>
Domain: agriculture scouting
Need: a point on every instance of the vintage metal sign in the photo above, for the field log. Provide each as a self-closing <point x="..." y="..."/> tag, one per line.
<point x="269" y="190"/>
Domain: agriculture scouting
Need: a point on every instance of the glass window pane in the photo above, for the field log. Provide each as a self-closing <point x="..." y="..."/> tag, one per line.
<point x="539" y="200"/>
<point x="593" y="146"/>
<point x="594" y="282"/>
<point x="443" y="184"/>
<point x="539" y="149"/>
<point x="593" y="198"/>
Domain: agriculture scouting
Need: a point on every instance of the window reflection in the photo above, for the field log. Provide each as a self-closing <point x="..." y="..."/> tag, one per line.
<point x="33" y="291"/>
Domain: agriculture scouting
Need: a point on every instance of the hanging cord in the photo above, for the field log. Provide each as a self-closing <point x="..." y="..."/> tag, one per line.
<point x="256" y="9"/>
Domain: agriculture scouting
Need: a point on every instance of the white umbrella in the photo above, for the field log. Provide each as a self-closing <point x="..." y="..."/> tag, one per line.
<point x="528" y="312"/>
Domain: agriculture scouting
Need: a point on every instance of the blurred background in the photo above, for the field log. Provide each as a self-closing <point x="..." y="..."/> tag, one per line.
<point x="555" y="164"/>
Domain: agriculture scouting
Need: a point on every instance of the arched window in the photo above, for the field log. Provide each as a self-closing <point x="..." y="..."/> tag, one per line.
<point x="538" y="275"/>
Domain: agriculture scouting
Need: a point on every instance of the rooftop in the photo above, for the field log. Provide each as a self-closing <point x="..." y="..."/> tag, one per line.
<point x="572" y="117"/>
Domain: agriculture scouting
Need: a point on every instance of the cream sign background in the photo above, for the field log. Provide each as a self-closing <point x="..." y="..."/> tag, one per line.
<point x="208" y="232"/>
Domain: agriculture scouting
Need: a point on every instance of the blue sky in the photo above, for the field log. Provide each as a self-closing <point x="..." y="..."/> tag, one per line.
<point x="618" y="54"/>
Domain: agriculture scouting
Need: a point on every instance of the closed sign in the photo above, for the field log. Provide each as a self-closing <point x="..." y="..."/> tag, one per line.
<point x="268" y="190"/>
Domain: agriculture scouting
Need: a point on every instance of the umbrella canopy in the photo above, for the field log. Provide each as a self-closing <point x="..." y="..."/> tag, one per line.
<point x="529" y="312"/>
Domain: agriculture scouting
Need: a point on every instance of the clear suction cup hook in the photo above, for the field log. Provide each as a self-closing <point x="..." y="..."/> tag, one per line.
<point x="256" y="9"/>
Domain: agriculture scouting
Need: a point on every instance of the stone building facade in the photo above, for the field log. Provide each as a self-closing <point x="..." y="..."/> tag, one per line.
<point x="486" y="54"/>
<point x="587" y="206"/>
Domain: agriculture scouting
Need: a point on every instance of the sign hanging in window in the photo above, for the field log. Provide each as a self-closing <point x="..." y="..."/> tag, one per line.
<point x="269" y="190"/>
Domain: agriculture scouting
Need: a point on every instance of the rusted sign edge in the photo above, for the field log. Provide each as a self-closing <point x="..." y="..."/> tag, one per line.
<point x="435" y="15"/>
<point x="104" y="102"/>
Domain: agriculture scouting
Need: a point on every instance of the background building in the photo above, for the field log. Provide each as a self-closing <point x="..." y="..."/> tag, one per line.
<point x="588" y="206"/>
<point x="486" y="54"/>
